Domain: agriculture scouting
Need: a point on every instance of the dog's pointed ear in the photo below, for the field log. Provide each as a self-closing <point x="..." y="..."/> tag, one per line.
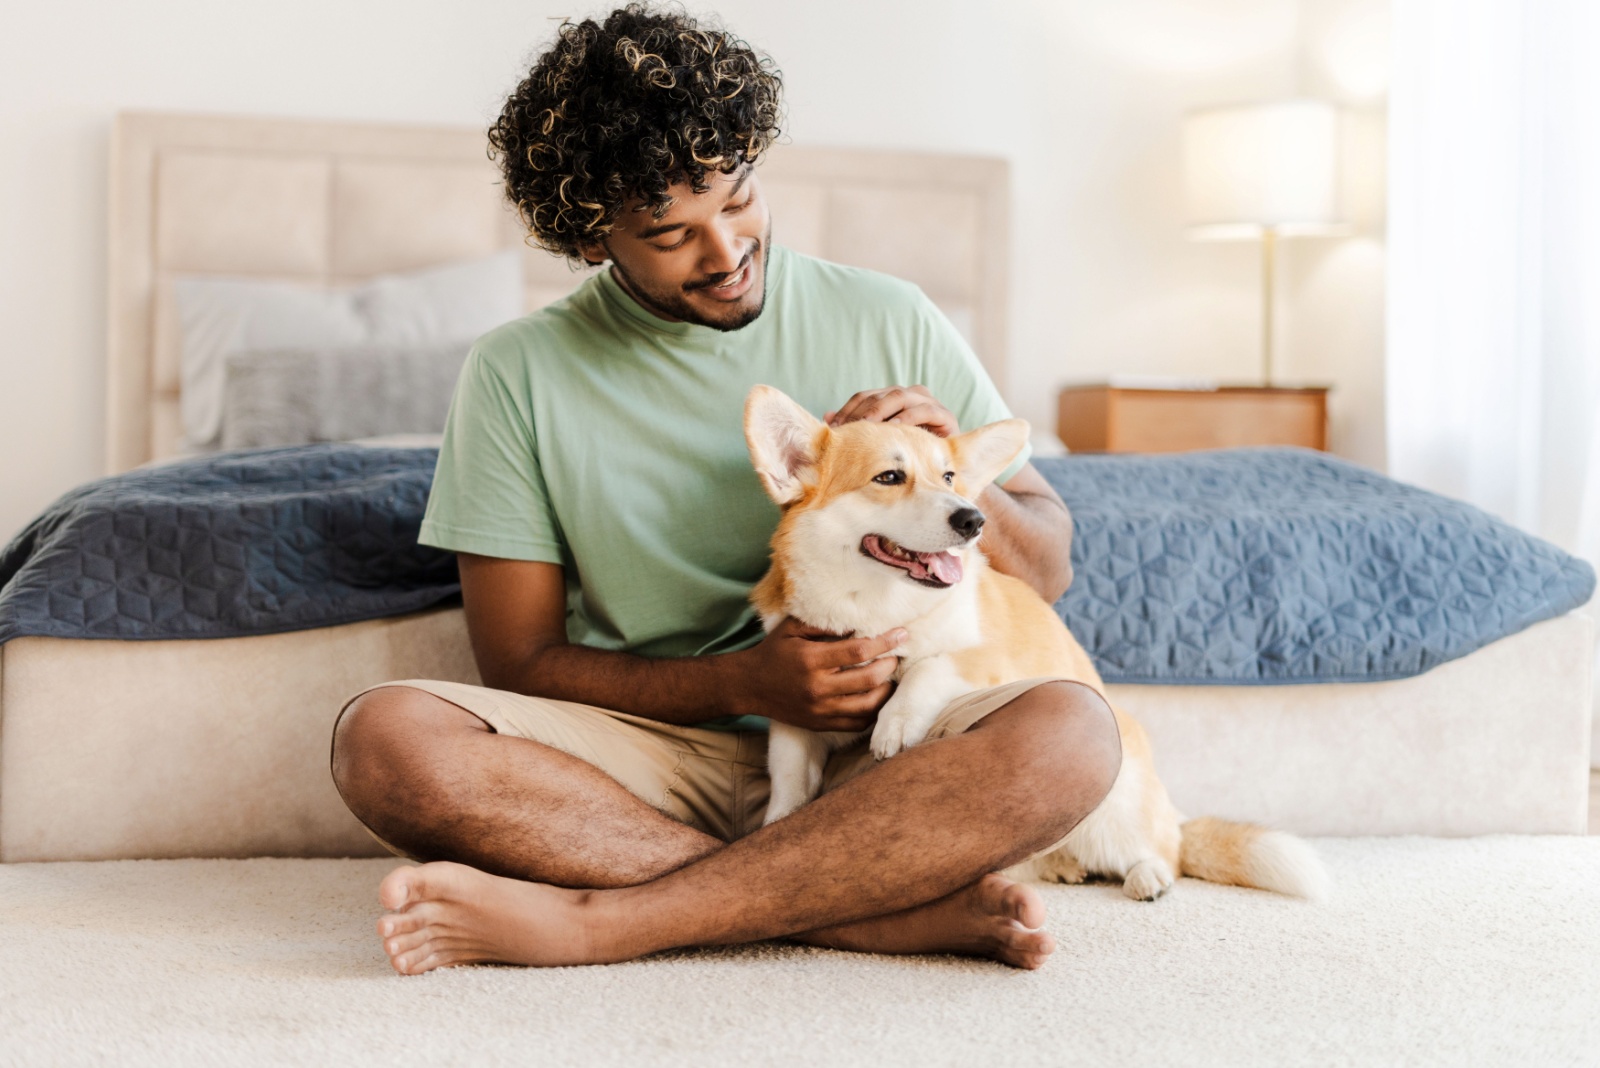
<point x="784" y="439"/>
<point x="983" y="453"/>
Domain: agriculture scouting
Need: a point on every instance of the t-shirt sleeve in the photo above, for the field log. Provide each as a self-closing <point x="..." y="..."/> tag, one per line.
<point x="489" y="495"/>
<point x="957" y="379"/>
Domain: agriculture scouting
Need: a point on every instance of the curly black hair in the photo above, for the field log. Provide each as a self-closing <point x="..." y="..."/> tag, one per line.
<point x="623" y="109"/>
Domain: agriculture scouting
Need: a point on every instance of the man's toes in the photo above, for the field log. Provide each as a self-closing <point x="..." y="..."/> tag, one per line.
<point x="436" y="955"/>
<point x="1025" y="949"/>
<point x="423" y="958"/>
<point x="401" y="945"/>
<point x="395" y="892"/>
<point x="999" y="896"/>
<point x="441" y="880"/>
<point x="1024" y="905"/>
<point x="1031" y="961"/>
<point x="398" y="923"/>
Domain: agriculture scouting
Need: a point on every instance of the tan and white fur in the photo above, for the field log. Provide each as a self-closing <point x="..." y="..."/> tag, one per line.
<point x="860" y="551"/>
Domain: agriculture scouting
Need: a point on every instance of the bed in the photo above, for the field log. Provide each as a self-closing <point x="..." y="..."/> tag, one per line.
<point x="218" y="747"/>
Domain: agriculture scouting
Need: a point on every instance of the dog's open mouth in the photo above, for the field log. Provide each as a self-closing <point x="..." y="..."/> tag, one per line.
<point x="939" y="569"/>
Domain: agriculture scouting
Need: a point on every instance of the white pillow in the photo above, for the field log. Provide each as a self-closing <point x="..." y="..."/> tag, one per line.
<point x="222" y="316"/>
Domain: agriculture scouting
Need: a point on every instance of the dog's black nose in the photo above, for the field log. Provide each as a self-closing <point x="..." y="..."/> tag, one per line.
<point x="967" y="522"/>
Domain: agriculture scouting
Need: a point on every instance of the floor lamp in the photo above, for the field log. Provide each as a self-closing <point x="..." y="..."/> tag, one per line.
<point x="1263" y="171"/>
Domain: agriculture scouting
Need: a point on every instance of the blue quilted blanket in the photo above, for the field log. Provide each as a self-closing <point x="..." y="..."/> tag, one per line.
<point x="1284" y="565"/>
<point x="243" y="543"/>
<point x="1242" y="566"/>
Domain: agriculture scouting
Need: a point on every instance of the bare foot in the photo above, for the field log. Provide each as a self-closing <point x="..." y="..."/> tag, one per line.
<point x="441" y="914"/>
<point x="994" y="917"/>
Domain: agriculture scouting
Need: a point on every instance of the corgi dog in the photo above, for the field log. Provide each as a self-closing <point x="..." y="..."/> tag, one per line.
<point x="879" y="530"/>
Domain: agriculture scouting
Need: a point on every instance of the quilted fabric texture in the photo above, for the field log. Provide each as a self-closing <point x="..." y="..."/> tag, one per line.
<point x="245" y="543"/>
<point x="1285" y="565"/>
<point x="1239" y="566"/>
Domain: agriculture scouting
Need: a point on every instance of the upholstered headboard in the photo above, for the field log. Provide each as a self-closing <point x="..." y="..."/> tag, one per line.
<point x="334" y="203"/>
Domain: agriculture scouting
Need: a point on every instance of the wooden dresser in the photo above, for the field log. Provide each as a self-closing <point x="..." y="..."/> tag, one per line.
<point x="1118" y="419"/>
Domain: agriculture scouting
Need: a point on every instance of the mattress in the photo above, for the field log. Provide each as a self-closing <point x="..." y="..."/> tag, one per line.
<point x="115" y="749"/>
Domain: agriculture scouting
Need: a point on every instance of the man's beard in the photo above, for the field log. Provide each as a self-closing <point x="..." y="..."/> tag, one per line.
<point x="675" y="305"/>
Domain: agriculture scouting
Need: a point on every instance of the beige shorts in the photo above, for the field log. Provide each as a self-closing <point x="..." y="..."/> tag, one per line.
<point x="712" y="780"/>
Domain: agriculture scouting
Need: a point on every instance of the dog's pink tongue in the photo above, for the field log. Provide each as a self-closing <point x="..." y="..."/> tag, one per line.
<point x="946" y="567"/>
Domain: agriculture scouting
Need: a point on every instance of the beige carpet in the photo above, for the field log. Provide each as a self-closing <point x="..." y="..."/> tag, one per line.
<point x="1480" y="951"/>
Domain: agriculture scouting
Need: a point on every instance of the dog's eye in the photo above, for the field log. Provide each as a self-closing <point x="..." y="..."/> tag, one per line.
<point x="949" y="478"/>
<point x="890" y="478"/>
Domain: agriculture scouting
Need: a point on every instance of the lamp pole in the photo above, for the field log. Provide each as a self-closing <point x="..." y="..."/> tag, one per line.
<point x="1269" y="250"/>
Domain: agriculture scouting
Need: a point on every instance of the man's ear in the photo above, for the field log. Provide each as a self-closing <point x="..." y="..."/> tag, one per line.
<point x="983" y="453"/>
<point x="784" y="441"/>
<point x="593" y="253"/>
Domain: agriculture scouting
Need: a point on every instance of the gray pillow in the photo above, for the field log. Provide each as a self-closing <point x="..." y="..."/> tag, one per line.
<point x="432" y="306"/>
<point x="300" y="397"/>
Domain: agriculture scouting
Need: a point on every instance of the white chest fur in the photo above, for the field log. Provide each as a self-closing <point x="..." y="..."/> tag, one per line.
<point x="950" y="623"/>
<point x="937" y="623"/>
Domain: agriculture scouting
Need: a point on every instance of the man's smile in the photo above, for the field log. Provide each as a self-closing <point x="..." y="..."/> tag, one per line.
<point x="734" y="286"/>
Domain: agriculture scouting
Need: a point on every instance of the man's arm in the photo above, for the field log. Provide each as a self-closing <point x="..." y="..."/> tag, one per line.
<point x="1027" y="532"/>
<point x="516" y="618"/>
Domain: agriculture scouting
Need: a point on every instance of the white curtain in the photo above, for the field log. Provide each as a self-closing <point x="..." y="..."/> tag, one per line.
<point x="1493" y="391"/>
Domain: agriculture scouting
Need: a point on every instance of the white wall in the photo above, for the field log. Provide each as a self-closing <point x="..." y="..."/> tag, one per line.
<point x="1084" y="96"/>
<point x="1334" y="288"/>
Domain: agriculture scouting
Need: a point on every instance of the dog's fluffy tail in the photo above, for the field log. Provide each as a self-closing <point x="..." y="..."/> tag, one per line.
<point x="1242" y="854"/>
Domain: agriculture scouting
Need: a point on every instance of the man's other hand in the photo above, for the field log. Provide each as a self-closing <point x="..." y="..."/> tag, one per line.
<point x="818" y="680"/>
<point x="912" y="405"/>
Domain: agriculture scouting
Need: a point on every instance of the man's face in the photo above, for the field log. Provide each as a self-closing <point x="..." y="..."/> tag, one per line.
<point x="704" y="261"/>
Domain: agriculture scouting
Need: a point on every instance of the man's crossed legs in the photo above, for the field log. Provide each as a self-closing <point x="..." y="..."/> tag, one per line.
<point x="558" y="862"/>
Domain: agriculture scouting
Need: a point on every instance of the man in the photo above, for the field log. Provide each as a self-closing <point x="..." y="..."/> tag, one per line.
<point x="601" y="795"/>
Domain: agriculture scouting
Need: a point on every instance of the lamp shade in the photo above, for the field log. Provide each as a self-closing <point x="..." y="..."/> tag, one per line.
<point x="1256" y="167"/>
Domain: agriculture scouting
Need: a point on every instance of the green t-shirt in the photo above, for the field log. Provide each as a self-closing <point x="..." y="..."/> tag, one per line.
<point x="594" y="435"/>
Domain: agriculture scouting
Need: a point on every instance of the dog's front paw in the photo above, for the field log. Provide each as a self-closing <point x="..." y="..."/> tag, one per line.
<point x="894" y="733"/>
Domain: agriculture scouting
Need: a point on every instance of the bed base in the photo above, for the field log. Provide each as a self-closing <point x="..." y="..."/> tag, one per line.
<point x="219" y="748"/>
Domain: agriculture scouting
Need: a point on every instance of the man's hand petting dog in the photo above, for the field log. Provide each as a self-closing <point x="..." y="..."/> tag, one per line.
<point x="911" y="405"/>
<point x="818" y="680"/>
